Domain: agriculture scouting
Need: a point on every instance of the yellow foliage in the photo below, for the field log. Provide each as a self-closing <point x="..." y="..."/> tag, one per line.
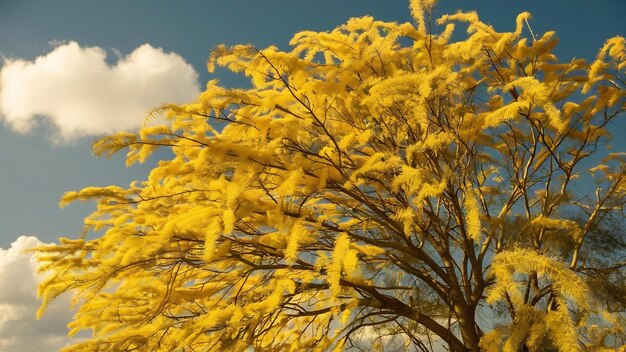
<point x="382" y="181"/>
<point x="336" y="265"/>
<point x="564" y="281"/>
<point x="472" y="216"/>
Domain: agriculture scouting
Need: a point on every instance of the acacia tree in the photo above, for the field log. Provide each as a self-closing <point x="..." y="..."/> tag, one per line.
<point x="378" y="184"/>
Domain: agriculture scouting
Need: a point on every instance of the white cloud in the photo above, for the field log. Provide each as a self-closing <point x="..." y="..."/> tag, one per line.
<point x="19" y="330"/>
<point x="75" y="89"/>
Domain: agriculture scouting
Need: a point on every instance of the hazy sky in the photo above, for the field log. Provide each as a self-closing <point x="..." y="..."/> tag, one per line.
<point x="72" y="70"/>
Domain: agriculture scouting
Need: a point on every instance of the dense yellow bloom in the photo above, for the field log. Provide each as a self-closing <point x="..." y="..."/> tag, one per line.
<point x="377" y="184"/>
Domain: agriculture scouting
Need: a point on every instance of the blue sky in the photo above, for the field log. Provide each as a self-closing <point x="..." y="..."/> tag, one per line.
<point x="40" y="161"/>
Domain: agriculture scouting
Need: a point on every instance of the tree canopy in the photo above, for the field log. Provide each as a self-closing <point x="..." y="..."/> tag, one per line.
<point x="380" y="186"/>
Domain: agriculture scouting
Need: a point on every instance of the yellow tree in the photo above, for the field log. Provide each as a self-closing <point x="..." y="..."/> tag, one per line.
<point x="378" y="186"/>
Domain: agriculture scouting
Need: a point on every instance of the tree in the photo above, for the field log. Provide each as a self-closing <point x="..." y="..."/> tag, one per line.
<point x="378" y="185"/>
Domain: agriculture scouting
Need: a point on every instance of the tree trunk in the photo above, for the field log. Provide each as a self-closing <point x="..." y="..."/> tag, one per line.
<point x="465" y="317"/>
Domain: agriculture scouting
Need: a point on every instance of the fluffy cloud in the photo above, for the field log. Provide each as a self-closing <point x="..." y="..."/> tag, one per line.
<point x="75" y="89"/>
<point x="19" y="330"/>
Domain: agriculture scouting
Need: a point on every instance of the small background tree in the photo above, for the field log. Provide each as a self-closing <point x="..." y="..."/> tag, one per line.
<point x="378" y="185"/>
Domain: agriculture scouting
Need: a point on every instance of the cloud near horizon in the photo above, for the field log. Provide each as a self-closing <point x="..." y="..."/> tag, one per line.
<point x="80" y="94"/>
<point x="19" y="330"/>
